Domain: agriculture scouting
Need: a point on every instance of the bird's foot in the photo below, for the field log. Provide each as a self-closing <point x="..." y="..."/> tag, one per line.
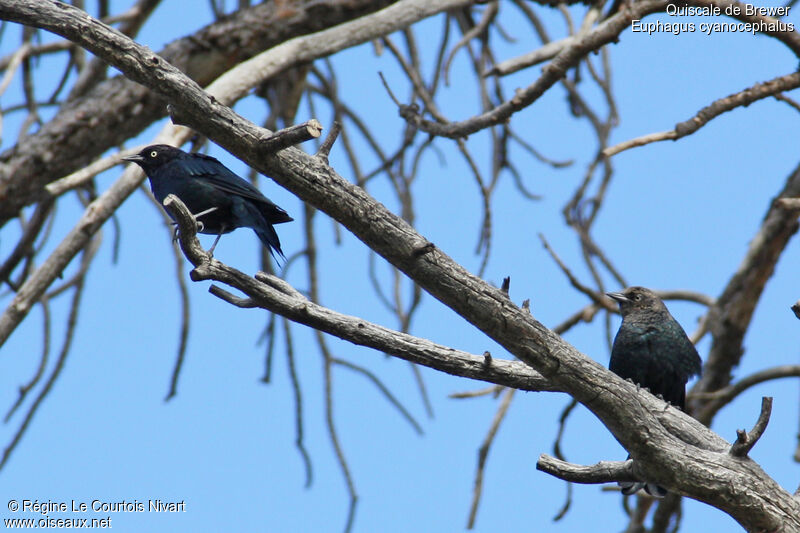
<point x="175" y="232"/>
<point x="207" y="211"/>
<point x="211" y="250"/>
<point x="201" y="226"/>
<point x="638" y="387"/>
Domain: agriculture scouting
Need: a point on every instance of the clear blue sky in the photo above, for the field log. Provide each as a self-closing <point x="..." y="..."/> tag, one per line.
<point x="678" y="215"/>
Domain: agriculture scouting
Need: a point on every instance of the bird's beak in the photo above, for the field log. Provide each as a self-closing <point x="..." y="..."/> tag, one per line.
<point x="135" y="158"/>
<point x="617" y="296"/>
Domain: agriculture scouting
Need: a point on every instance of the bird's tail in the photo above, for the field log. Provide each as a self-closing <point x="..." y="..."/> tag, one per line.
<point x="263" y="228"/>
<point x="632" y="487"/>
<point x="270" y="239"/>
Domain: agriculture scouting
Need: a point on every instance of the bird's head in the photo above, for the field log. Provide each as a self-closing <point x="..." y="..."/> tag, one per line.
<point x="153" y="156"/>
<point x="636" y="299"/>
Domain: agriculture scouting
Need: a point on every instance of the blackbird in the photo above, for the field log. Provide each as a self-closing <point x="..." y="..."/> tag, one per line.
<point x="652" y="350"/>
<point x="220" y="200"/>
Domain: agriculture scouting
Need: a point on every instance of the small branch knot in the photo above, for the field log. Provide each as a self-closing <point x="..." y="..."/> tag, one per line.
<point x="789" y="204"/>
<point x="426" y="248"/>
<point x="506" y="285"/>
<point x="746" y="440"/>
<point x="327" y="144"/>
<point x="291" y="136"/>
<point x="410" y="113"/>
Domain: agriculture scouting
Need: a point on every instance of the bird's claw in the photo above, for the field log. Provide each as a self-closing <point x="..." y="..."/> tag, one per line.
<point x="175" y="230"/>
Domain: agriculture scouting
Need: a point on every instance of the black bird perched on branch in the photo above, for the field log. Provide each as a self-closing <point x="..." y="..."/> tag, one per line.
<point x="220" y="200"/>
<point x="652" y="350"/>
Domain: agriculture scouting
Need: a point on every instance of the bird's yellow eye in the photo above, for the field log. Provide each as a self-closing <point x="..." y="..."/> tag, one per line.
<point x="153" y="153"/>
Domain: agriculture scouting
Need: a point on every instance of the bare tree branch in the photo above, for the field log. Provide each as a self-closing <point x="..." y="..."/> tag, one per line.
<point x="745" y="440"/>
<point x="718" y="399"/>
<point x="602" y="472"/>
<point x="483" y="455"/>
<point x="56" y="371"/>
<point x="274" y="294"/>
<point x="25" y="244"/>
<point x="82" y="176"/>
<point x="718" y="107"/>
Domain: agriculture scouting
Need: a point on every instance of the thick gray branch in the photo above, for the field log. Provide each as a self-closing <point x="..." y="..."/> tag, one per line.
<point x="274" y="294"/>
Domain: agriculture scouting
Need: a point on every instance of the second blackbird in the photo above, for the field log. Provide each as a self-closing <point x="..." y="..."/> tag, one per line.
<point x="652" y="350"/>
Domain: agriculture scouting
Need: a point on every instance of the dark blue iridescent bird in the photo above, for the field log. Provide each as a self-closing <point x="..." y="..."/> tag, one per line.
<point x="220" y="200"/>
<point x="652" y="350"/>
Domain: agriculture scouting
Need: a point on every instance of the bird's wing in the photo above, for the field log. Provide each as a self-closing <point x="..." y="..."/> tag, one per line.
<point x="657" y="356"/>
<point x="210" y="170"/>
<point x="631" y="355"/>
<point x="214" y="173"/>
<point x="686" y="361"/>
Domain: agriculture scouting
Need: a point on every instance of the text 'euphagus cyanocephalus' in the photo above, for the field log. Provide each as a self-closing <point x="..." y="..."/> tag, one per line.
<point x="220" y="200"/>
<point x="652" y="350"/>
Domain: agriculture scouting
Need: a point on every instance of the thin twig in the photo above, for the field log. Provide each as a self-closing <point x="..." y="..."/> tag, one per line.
<point x="479" y="29"/>
<point x="298" y="404"/>
<point x="72" y="320"/>
<point x="598" y="299"/>
<point x="476" y="393"/>
<point x="25" y="243"/>
<point x="384" y="390"/>
<point x="483" y="455"/>
<point x="27" y="387"/>
<point x="183" y="336"/>
<point x="562" y="424"/>
<point x="328" y="362"/>
<point x="76" y="179"/>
